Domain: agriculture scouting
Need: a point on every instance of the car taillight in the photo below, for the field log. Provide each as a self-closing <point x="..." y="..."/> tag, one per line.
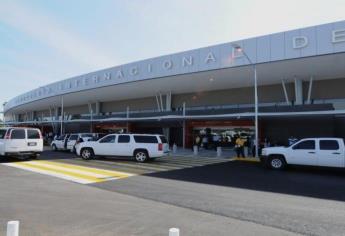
<point x="41" y="137"/>
<point x="7" y="136"/>
<point x="160" y="147"/>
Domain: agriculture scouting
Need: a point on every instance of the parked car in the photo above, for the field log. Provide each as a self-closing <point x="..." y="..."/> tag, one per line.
<point x="67" y="142"/>
<point x="328" y="152"/>
<point x="97" y="136"/>
<point x="21" y="142"/>
<point x="140" y="146"/>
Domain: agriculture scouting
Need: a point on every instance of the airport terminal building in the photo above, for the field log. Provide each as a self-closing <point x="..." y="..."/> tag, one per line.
<point x="301" y="91"/>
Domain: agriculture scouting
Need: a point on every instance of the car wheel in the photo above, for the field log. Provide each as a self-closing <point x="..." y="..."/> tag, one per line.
<point x="54" y="148"/>
<point x="35" y="156"/>
<point x="141" y="156"/>
<point x="277" y="163"/>
<point x="87" y="153"/>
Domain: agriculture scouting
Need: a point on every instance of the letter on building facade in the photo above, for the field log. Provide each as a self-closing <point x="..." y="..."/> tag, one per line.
<point x="338" y="36"/>
<point x="107" y="76"/>
<point x="134" y="70"/>
<point x="167" y="64"/>
<point x="299" y="42"/>
<point x="210" y="58"/>
<point x="187" y="61"/>
<point x="119" y="74"/>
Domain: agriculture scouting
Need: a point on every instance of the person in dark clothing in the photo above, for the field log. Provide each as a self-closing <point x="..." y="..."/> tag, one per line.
<point x="65" y="143"/>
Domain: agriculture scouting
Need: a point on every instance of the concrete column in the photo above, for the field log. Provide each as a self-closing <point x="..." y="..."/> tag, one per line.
<point x="161" y="101"/>
<point x="91" y="111"/>
<point x="56" y="115"/>
<point x="158" y="103"/>
<point x="285" y="93"/>
<point x="168" y="101"/>
<point x="298" y="91"/>
<point x="98" y="108"/>
<point x="127" y="112"/>
<point x="310" y="89"/>
<point x="184" y="127"/>
<point x="166" y="133"/>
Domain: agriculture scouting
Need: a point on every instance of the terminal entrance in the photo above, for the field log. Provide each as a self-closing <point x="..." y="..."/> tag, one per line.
<point x="225" y="137"/>
<point x="219" y="133"/>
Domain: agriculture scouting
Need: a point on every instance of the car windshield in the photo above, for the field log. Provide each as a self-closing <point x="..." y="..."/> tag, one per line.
<point x="2" y="133"/>
<point x="87" y="135"/>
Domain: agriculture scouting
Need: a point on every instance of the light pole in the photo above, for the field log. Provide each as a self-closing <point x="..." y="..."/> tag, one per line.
<point x="238" y="48"/>
<point x="3" y="113"/>
<point x="62" y="117"/>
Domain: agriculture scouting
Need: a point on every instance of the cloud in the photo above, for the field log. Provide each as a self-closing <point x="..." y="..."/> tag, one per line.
<point x="39" y="26"/>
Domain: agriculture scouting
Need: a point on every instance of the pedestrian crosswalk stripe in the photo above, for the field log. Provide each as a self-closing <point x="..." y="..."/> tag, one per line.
<point x="134" y="165"/>
<point x="88" y="169"/>
<point x="79" y="174"/>
<point x="164" y="164"/>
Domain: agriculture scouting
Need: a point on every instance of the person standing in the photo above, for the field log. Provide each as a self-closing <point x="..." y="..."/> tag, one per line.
<point x="197" y="141"/>
<point x="205" y="142"/>
<point x="215" y="140"/>
<point x="240" y="147"/>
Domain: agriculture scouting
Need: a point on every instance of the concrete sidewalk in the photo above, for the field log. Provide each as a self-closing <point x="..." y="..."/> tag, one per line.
<point x="50" y="206"/>
<point x="188" y="152"/>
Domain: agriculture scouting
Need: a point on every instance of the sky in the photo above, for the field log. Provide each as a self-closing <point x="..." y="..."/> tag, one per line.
<point x="43" y="41"/>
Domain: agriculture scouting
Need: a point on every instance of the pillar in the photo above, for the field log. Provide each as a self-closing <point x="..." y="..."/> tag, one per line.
<point x="298" y="91"/>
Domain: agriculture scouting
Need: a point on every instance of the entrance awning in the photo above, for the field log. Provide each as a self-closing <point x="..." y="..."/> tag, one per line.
<point x="193" y="117"/>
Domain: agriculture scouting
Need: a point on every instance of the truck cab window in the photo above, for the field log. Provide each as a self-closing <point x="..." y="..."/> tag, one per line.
<point x="305" y="145"/>
<point x="329" y="145"/>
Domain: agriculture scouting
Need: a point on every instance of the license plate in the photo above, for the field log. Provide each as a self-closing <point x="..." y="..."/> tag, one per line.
<point x="32" y="144"/>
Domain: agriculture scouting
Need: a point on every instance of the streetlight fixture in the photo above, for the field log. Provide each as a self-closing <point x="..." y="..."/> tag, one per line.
<point x="239" y="49"/>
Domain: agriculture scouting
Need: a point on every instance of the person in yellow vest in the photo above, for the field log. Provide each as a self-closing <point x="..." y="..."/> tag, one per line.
<point x="239" y="146"/>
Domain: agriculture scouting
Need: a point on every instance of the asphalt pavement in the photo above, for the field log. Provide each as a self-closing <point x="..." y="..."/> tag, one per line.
<point x="299" y="200"/>
<point x="46" y="206"/>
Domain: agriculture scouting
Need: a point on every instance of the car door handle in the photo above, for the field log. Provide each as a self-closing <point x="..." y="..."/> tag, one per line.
<point x="311" y="152"/>
<point x="336" y="153"/>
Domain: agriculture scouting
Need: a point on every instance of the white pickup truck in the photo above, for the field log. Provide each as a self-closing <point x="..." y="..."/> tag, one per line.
<point x="328" y="152"/>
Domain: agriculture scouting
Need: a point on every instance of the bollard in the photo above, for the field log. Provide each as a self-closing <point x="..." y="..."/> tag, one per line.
<point x="174" y="232"/>
<point x="12" y="228"/>
<point x="195" y="150"/>
<point x="174" y="148"/>
<point x="219" y="151"/>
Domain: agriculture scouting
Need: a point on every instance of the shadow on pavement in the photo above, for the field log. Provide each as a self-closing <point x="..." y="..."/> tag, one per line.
<point x="303" y="181"/>
<point x="46" y="155"/>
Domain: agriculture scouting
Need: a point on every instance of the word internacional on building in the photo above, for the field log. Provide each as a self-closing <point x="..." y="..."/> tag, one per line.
<point x="311" y="41"/>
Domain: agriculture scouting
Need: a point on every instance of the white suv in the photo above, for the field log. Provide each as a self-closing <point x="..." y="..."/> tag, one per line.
<point x="21" y="142"/>
<point x="140" y="146"/>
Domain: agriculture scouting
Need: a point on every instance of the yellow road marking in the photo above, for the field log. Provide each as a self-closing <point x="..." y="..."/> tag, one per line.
<point x="95" y="175"/>
<point x="69" y="173"/>
<point x="88" y="169"/>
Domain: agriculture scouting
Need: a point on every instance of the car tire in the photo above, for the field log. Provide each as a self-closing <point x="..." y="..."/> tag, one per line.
<point x="86" y="154"/>
<point x="277" y="163"/>
<point x="35" y="156"/>
<point x="141" y="156"/>
<point x="54" y="148"/>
